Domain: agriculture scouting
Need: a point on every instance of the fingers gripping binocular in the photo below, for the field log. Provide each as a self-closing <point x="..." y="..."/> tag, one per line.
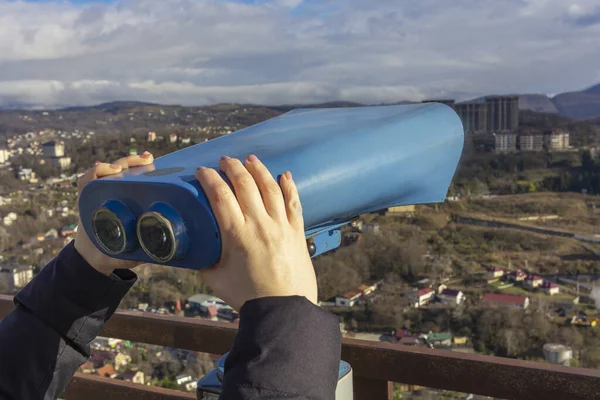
<point x="345" y="162"/>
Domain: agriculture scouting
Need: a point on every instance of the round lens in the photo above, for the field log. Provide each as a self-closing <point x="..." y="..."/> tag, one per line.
<point x="109" y="231"/>
<point x="156" y="236"/>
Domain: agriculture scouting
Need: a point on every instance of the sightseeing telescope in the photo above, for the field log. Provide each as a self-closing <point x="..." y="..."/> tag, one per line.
<point x="345" y="162"/>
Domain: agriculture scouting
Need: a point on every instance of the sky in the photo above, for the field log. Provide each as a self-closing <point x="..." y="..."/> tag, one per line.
<point x="196" y="52"/>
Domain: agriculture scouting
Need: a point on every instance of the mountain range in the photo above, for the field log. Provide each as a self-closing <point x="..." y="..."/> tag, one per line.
<point x="584" y="104"/>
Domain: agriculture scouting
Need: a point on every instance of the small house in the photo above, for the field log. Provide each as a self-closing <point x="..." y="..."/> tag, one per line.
<point x="494" y="273"/>
<point x="460" y="340"/>
<point x="422" y="297"/>
<point x="121" y="360"/>
<point x="353" y="297"/>
<point x="442" y="339"/>
<point x="517" y="276"/>
<point x="533" y="281"/>
<point x="15" y="276"/>
<point x="133" y="376"/>
<point x="550" y="288"/>
<point x="181" y="379"/>
<point x="52" y="233"/>
<point x="68" y="230"/>
<point x="348" y="299"/>
<point x="451" y="296"/>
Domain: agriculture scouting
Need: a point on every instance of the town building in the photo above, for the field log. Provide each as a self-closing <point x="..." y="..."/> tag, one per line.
<point x="442" y="339"/>
<point x="531" y="140"/>
<point x="474" y="117"/>
<point x="68" y="230"/>
<point x="9" y="218"/>
<point x="4" y="156"/>
<point x="55" y="153"/>
<point x="505" y="142"/>
<point x="502" y="113"/>
<point x="550" y="288"/>
<point x="505" y="300"/>
<point x="27" y="174"/>
<point x="61" y="162"/>
<point x="532" y="281"/>
<point x="421" y="297"/>
<point x="353" y="297"/>
<point x="494" y="273"/>
<point x="451" y="296"/>
<point x="187" y="382"/>
<point x="122" y="359"/>
<point x="460" y="340"/>
<point x="516" y="276"/>
<point x="558" y="354"/>
<point x="133" y="376"/>
<point x="556" y="140"/>
<point x="53" y="149"/>
<point x="402" y="210"/>
<point x="15" y="276"/>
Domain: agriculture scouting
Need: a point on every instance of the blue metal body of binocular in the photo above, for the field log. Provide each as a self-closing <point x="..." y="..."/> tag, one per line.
<point x="345" y="162"/>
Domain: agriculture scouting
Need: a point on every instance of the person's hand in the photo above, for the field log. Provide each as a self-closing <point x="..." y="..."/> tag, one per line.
<point x="83" y="244"/>
<point x="264" y="250"/>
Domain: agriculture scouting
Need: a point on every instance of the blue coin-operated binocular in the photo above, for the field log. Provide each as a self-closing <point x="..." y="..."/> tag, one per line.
<point x="209" y="387"/>
<point x="345" y="162"/>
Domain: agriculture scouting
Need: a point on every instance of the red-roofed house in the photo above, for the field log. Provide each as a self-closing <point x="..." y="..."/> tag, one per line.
<point x="533" y="281"/>
<point x="505" y="300"/>
<point x="550" y="288"/>
<point x="495" y="273"/>
<point x="451" y="296"/>
<point x="352" y="297"/>
<point x="422" y="297"/>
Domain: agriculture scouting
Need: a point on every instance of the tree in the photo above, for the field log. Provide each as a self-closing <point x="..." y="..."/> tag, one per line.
<point x="168" y="383"/>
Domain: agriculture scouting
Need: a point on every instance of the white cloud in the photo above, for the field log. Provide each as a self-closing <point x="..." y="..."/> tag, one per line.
<point x="289" y="51"/>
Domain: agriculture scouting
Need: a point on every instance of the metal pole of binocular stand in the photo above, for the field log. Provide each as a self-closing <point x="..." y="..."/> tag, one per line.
<point x="209" y="387"/>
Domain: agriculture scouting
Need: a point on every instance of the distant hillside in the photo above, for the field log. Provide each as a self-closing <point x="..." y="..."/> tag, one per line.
<point x="538" y="103"/>
<point x="134" y="117"/>
<point x="332" y="104"/>
<point x="584" y="104"/>
<point x="593" y="89"/>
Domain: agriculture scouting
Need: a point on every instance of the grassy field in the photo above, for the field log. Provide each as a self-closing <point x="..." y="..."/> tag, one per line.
<point x="513" y="248"/>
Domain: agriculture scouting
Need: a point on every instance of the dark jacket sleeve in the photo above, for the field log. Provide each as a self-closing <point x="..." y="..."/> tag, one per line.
<point x="46" y="338"/>
<point x="286" y="347"/>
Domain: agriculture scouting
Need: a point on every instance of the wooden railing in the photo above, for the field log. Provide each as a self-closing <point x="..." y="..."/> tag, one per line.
<point x="375" y="365"/>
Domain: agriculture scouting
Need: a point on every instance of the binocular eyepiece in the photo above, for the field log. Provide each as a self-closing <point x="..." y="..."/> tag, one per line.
<point x="160" y="232"/>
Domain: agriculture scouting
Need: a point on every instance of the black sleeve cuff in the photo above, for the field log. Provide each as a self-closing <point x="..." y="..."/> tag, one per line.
<point x="74" y="298"/>
<point x="285" y="345"/>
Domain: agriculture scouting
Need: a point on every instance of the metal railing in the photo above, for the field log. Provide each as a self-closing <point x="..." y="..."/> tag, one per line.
<point x="375" y="365"/>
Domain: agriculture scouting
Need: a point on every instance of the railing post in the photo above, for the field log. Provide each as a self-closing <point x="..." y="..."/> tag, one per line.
<point x="372" y="389"/>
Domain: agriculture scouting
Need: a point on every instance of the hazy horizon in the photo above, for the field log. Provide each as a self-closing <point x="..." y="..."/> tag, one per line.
<point x="272" y="52"/>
